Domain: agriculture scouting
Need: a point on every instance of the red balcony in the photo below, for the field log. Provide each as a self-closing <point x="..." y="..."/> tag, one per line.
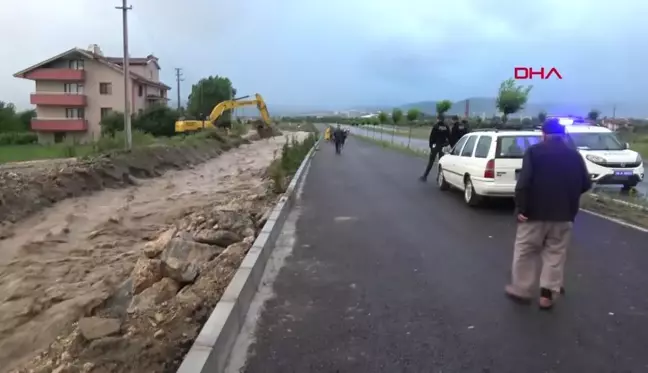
<point x="66" y="75"/>
<point x="55" y="125"/>
<point x="59" y="99"/>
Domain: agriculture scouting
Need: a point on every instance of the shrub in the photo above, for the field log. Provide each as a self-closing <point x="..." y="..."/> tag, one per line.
<point x="293" y="153"/>
<point x="18" y="138"/>
<point x="109" y="142"/>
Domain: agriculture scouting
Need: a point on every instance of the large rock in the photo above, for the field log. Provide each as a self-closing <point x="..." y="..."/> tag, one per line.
<point x="219" y="237"/>
<point x="181" y="270"/>
<point x="154" y="248"/>
<point x="233" y="220"/>
<point x="182" y="259"/>
<point x="146" y="273"/>
<point x="161" y="291"/>
<point x="97" y="327"/>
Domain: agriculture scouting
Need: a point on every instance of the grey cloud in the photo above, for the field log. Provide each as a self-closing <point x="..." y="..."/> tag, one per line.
<point x="341" y="53"/>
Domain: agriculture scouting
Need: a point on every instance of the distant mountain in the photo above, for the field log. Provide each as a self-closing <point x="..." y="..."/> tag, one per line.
<point x="487" y="106"/>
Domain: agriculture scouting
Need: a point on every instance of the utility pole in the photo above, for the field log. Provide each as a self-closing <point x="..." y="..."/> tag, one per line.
<point x="127" y="117"/>
<point x="179" y="78"/>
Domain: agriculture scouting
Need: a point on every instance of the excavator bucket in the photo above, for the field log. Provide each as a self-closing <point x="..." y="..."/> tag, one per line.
<point x="265" y="131"/>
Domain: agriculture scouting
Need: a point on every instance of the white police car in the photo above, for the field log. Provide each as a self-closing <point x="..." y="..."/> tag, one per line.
<point x="609" y="161"/>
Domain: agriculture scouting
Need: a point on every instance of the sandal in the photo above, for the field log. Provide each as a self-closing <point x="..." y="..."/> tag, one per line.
<point x="546" y="299"/>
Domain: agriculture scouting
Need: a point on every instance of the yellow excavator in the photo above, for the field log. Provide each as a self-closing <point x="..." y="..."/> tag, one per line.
<point x="263" y="126"/>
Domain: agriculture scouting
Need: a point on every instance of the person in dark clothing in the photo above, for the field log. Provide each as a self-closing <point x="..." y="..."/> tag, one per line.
<point x="457" y="130"/>
<point x="439" y="137"/>
<point x="339" y="136"/>
<point x="547" y="195"/>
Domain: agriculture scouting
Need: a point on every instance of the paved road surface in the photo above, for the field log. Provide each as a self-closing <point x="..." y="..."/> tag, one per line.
<point x="423" y="144"/>
<point x="392" y="275"/>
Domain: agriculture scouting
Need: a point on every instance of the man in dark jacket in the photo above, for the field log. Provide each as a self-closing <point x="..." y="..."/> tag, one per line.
<point x="439" y="137"/>
<point x="547" y="196"/>
<point x="458" y="130"/>
<point x="339" y="136"/>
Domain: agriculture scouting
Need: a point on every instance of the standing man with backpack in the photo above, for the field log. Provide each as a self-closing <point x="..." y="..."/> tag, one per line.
<point x="439" y="137"/>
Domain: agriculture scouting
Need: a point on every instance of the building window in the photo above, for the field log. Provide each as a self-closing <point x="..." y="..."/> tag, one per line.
<point x="105" y="88"/>
<point x="76" y="64"/>
<point x="105" y="111"/>
<point x="59" y="137"/>
<point x="140" y="90"/>
<point x="73" y="88"/>
<point x="75" y="113"/>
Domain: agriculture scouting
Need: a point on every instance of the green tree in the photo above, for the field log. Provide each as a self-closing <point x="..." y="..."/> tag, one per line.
<point x="383" y="118"/>
<point x="9" y="121"/>
<point x="442" y="107"/>
<point x="542" y="116"/>
<point x="25" y="117"/>
<point x="593" y="115"/>
<point x="397" y="115"/>
<point x="511" y="98"/>
<point x="207" y="93"/>
<point x="112" y="123"/>
<point x="158" y="120"/>
<point x="413" y="114"/>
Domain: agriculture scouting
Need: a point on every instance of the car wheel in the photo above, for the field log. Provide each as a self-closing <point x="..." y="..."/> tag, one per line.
<point x="470" y="196"/>
<point x="441" y="181"/>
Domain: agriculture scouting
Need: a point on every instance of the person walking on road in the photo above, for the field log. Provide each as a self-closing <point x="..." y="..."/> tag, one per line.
<point x="339" y="136"/>
<point x="439" y="137"/>
<point x="547" y="197"/>
<point x="458" y="130"/>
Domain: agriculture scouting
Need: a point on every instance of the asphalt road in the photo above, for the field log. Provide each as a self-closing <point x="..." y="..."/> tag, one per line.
<point x="642" y="187"/>
<point x="392" y="275"/>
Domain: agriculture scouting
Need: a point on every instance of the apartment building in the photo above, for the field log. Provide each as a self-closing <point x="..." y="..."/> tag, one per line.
<point x="77" y="88"/>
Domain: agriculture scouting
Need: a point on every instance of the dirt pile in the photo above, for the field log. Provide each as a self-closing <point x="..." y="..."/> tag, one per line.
<point x="23" y="192"/>
<point x="141" y="267"/>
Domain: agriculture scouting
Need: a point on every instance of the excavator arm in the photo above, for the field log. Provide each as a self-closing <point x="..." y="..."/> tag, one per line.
<point x="233" y="104"/>
<point x="220" y="108"/>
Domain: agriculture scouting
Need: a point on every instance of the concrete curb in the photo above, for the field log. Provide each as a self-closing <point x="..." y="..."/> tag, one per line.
<point x="212" y="347"/>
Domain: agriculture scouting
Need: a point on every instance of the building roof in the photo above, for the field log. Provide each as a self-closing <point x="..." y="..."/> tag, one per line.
<point x="101" y="59"/>
<point x="142" y="61"/>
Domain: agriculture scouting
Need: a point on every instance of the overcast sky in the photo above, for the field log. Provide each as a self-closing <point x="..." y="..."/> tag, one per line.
<point x="342" y="53"/>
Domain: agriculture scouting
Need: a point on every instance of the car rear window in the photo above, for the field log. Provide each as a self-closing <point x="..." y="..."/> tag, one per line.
<point x="515" y="146"/>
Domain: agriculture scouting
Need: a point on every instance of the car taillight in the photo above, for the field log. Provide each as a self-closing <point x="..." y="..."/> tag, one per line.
<point x="489" y="172"/>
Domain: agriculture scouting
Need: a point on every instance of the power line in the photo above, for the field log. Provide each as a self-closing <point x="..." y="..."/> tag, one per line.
<point x="179" y="79"/>
<point x="127" y="118"/>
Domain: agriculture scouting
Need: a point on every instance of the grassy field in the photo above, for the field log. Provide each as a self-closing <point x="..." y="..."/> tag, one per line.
<point x="421" y="132"/>
<point x="16" y="153"/>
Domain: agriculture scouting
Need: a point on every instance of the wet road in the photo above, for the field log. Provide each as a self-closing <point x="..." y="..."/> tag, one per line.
<point x="402" y="140"/>
<point x="392" y="275"/>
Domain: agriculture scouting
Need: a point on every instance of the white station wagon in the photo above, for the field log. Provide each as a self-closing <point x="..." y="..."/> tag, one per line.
<point x="485" y="163"/>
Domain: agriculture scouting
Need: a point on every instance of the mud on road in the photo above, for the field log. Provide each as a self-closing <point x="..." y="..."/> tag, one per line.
<point x="174" y="241"/>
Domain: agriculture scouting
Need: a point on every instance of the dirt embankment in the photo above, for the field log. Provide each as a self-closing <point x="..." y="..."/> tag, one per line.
<point x="27" y="189"/>
<point x="122" y="280"/>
